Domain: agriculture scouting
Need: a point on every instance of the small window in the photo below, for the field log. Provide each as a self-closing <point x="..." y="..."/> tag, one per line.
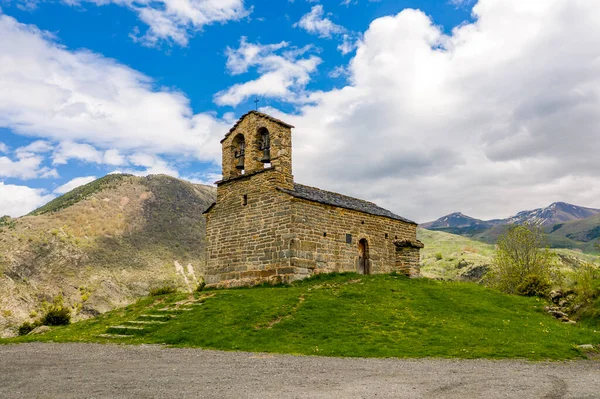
<point x="245" y="200"/>
<point x="324" y="234"/>
<point x="363" y="222"/>
<point x="395" y="237"/>
<point x="386" y="235"/>
<point x="348" y="238"/>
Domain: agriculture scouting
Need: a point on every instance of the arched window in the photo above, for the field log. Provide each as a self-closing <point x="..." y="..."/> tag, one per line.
<point x="239" y="152"/>
<point x="264" y="145"/>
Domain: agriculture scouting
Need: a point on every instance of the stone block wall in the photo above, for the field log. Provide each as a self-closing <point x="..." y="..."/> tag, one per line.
<point x="248" y="231"/>
<point x="249" y="127"/>
<point x="321" y="243"/>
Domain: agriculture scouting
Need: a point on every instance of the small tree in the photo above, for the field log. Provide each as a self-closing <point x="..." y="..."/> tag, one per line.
<point x="521" y="255"/>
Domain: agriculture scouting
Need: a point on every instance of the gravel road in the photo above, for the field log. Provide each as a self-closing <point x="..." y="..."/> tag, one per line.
<point x="114" y="371"/>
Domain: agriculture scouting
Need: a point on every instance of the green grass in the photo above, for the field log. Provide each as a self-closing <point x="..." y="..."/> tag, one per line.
<point x="349" y="315"/>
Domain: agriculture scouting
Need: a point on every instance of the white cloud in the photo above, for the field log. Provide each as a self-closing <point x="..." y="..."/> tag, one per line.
<point x="3" y="147"/>
<point x="38" y="146"/>
<point x="19" y="200"/>
<point x="74" y="183"/>
<point x="172" y="20"/>
<point x="316" y="22"/>
<point x="113" y="157"/>
<point x="81" y="97"/>
<point x="27" y="165"/>
<point x="500" y="116"/>
<point x="152" y="165"/>
<point x="283" y="76"/>
<point x="69" y="150"/>
<point x="349" y="44"/>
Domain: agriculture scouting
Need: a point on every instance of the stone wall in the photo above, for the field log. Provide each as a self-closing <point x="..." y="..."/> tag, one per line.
<point x="249" y="127"/>
<point x="248" y="244"/>
<point x="321" y="242"/>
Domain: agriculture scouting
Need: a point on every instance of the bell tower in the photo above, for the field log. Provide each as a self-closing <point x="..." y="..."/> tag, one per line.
<point x="257" y="142"/>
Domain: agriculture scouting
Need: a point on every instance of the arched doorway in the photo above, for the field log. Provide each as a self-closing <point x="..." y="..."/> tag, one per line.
<point x="363" y="257"/>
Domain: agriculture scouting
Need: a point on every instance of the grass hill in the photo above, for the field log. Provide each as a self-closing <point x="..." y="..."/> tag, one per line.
<point x="343" y="315"/>
<point x="454" y="257"/>
<point x="102" y="245"/>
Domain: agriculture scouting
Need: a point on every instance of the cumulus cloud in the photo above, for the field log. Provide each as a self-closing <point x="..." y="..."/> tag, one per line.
<point x="19" y="200"/>
<point x="74" y="183"/>
<point x="498" y="116"/>
<point x="3" y="147"/>
<point x="37" y="147"/>
<point x="317" y="23"/>
<point x="172" y="20"/>
<point x="80" y="98"/>
<point x="283" y="74"/>
<point x="26" y="165"/>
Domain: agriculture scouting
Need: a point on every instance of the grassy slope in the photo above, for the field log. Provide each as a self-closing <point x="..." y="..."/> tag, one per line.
<point x="583" y="234"/>
<point x="454" y="249"/>
<point x="351" y="315"/>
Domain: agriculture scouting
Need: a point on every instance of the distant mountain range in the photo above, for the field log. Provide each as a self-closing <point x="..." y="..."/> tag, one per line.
<point x="567" y="225"/>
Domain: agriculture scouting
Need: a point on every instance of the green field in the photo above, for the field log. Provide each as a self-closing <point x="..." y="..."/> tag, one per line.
<point x="344" y="315"/>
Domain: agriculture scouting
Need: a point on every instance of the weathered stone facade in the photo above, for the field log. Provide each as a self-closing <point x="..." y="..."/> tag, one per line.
<point x="266" y="228"/>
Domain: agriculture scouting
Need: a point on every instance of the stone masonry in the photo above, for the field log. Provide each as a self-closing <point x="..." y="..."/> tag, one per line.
<point x="266" y="228"/>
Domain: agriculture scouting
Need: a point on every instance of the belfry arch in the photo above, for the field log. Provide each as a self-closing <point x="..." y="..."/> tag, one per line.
<point x="239" y="154"/>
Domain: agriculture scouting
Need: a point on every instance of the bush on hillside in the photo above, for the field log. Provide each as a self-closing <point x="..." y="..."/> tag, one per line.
<point x="28" y="327"/>
<point x="56" y="316"/>
<point x="520" y="252"/>
<point x="586" y="282"/>
<point x="534" y="285"/>
<point x="167" y="289"/>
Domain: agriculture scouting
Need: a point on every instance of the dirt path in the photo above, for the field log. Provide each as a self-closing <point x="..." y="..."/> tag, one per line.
<point x="111" y="371"/>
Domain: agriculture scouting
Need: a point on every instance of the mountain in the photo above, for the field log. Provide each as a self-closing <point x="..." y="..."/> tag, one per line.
<point x="102" y="245"/>
<point x="558" y="212"/>
<point x="579" y="224"/>
<point x="458" y="223"/>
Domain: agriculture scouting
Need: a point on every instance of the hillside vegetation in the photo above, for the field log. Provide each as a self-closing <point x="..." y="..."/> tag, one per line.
<point x="101" y="246"/>
<point x="454" y="257"/>
<point x="343" y="315"/>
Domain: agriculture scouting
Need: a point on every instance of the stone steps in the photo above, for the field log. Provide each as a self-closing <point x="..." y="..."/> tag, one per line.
<point x="158" y="316"/>
<point x="114" y="336"/>
<point x="126" y="328"/>
<point x="145" y="322"/>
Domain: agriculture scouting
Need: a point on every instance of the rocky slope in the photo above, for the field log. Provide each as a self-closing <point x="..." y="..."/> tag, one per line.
<point x="102" y="246"/>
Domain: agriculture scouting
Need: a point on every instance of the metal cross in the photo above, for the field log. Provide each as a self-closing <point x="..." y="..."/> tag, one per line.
<point x="256" y="102"/>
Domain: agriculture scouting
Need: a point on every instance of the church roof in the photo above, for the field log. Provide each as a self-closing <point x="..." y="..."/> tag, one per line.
<point x="260" y="114"/>
<point x="343" y="201"/>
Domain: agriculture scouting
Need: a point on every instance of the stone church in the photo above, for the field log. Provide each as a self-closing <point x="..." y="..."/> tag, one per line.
<point x="264" y="227"/>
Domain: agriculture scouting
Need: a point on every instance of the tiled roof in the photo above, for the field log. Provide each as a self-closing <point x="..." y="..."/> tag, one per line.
<point x="343" y="201"/>
<point x="269" y="117"/>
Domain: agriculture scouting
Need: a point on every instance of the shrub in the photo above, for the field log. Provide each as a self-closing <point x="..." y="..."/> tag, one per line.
<point x="167" y="289"/>
<point x="201" y="286"/>
<point x="57" y="316"/>
<point x="438" y="256"/>
<point x="586" y="283"/>
<point x="533" y="285"/>
<point x="521" y="252"/>
<point x="28" y="327"/>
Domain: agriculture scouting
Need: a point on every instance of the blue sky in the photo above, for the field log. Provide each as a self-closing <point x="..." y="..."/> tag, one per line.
<point x="392" y="100"/>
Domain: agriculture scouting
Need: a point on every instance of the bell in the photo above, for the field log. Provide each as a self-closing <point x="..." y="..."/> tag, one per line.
<point x="240" y="164"/>
<point x="266" y="158"/>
